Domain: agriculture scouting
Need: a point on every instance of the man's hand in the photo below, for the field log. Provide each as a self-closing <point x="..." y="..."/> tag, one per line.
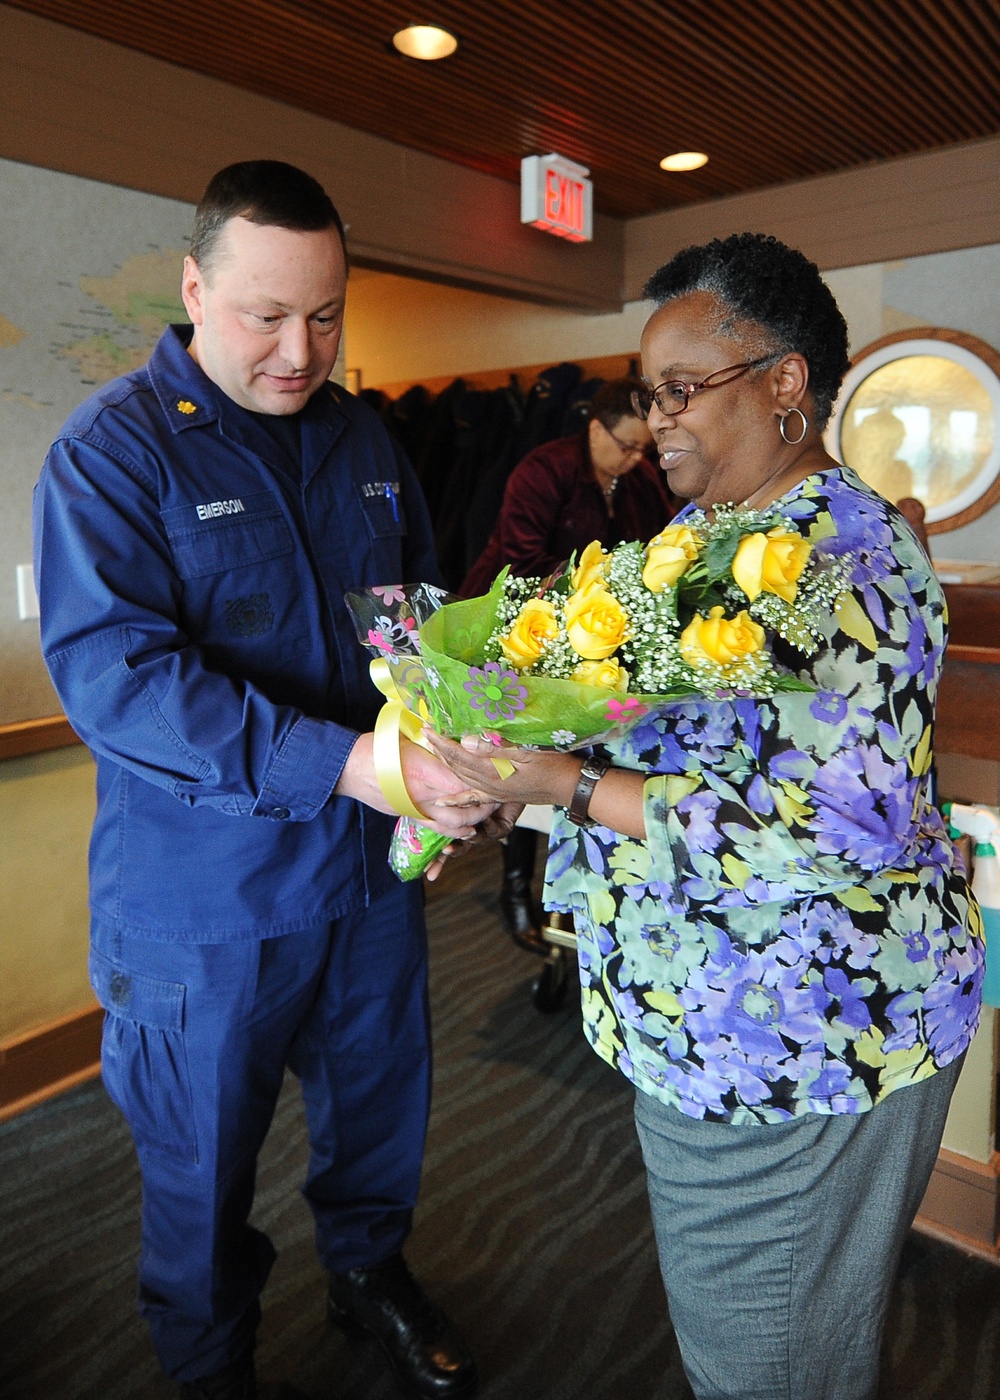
<point x="494" y="828"/>
<point x="447" y="802"/>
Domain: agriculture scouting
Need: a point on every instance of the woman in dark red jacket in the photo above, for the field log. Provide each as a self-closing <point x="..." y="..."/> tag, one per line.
<point x="598" y="485"/>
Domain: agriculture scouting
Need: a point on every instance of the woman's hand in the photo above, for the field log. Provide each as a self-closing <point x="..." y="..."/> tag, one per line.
<point x="492" y="828"/>
<point x="546" y="777"/>
<point x="540" y="775"/>
<point x="447" y="804"/>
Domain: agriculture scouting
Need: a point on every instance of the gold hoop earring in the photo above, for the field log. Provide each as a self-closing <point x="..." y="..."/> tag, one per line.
<point x="793" y="442"/>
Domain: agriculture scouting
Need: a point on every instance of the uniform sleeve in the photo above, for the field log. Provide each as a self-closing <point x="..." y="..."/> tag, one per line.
<point x="809" y="793"/>
<point x="134" y="686"/>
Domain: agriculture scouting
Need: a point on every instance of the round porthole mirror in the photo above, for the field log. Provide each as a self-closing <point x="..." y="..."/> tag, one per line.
<point x="919" y="415"/>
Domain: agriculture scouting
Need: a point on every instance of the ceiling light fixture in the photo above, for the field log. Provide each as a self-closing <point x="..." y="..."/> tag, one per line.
<point x="684" y="160"/>
<point x="425" y="41"/>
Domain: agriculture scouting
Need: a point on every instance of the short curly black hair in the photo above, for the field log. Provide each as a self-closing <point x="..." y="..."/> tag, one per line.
<point x="760" y="280"/>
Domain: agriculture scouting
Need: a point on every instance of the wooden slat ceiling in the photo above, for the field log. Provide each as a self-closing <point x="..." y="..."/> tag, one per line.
<point x="772" y="91"/>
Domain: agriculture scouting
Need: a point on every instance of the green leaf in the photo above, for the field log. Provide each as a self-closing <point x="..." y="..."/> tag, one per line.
<point x="720" y="554"/>
<point x="792" y="683"/>
<point x="700" y="599"/>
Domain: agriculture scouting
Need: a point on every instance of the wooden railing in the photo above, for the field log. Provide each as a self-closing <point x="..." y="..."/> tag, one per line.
<point x="36" y="736"/>
<point x="968" y="700"/>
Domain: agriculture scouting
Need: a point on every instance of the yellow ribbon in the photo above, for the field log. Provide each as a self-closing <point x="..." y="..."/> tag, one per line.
<point x="394" y="721"/>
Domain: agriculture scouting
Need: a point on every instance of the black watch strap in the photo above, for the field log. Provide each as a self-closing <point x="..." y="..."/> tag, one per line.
<point x="591" y="773"/>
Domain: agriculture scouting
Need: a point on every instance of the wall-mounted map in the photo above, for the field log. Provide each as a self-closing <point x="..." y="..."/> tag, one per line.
<point x="89" y="276"/>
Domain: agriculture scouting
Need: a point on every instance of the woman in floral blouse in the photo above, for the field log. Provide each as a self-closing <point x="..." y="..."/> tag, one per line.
<point x="776" y="945"/>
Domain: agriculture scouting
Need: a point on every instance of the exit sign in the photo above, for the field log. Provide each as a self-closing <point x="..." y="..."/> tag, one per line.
<point x="557" y="196"/>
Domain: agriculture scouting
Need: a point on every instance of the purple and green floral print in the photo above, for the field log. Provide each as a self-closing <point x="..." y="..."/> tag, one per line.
<point x="795" y="934"/>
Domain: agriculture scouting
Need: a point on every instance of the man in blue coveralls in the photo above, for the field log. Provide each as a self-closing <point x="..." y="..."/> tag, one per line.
<point x="197" y="524"/>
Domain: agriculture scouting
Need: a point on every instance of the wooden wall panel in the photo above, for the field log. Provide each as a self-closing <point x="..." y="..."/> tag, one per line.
<point x="772" y="92"/>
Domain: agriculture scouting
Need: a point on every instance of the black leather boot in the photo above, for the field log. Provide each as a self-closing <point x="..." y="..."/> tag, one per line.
<point x="423" y="1348"/>
<point x="234" y="1382"/>
<point x="521" y="915"/>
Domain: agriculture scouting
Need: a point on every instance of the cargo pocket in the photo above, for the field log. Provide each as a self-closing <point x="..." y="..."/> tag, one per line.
<point x="144" y="1058"/>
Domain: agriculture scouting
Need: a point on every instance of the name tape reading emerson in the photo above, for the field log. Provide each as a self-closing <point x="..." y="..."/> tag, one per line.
<point x="213" y="508"/>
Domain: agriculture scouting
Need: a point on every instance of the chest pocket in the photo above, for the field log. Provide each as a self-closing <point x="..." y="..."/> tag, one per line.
<point x="249" y="535"/>
<point x="382" y="509"/>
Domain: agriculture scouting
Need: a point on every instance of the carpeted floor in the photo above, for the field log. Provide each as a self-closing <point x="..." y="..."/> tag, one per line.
<point x="533" y="1228"/>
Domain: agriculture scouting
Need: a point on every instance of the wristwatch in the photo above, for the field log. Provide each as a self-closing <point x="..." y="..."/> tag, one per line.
<point x="591" y="773"/>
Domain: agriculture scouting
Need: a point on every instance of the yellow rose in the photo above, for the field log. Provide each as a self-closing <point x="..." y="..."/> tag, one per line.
<point x="595" y="622"/>
<point x="668" y="556"/>
<point x="534" y="625"/>
<point x="771" y="563"/>
<point x="590" y="568"/>
<point x="607" y="673"/>
<point x="720" y="639"/>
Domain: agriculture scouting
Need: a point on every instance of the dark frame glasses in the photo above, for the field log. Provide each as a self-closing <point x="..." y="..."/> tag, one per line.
<point x="673" y="395"/>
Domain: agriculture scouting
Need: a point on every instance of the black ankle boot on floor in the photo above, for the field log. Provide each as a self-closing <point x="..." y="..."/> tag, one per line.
<point x="521" y="915"/>
<point x="234" y="1382"/>
<point x="423" y="1348"/>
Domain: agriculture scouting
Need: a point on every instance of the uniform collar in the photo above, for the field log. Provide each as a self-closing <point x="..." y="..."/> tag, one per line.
<point x="189" y="399"/>
<point x="186" y="394"/>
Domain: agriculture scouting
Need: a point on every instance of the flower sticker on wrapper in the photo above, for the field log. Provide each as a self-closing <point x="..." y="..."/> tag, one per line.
<point x="622" y="712"/>
<point x="495" y="691"/>
<point x="591" y="650"/>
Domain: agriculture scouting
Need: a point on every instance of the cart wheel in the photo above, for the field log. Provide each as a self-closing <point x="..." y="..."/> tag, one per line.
<point x="549" y="990"/>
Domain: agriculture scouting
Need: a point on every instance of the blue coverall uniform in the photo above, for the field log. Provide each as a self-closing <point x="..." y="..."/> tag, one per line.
<point x="244" y="918"/>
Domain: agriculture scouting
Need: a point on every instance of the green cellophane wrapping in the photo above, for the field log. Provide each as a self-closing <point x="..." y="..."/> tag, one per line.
<point x="413" y="848"/>
<point x="453" y="641"/>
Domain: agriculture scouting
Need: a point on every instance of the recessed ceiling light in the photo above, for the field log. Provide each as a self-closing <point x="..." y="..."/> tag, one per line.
<point x="425" y="41"/>
<point x="684" y="160"/>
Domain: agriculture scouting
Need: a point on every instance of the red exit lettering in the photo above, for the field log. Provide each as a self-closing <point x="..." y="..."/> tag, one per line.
<point x="563" y="201"/>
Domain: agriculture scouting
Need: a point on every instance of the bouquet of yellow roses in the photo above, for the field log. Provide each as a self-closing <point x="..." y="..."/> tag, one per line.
<point x="588" y="652"/>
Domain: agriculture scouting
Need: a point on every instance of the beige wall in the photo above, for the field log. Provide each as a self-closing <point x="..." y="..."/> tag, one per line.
<point x="894" y="209"/>
<point x="46" y="811"/>
<point x="971" y="1125"/>
<point x="401" y="329"/>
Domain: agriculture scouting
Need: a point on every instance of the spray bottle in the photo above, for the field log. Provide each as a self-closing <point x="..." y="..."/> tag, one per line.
<point x="983" y="825"/>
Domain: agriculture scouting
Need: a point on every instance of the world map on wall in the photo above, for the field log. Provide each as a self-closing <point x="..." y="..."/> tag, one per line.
<point x="111" y="323"/>
<point x="89" y="277"/>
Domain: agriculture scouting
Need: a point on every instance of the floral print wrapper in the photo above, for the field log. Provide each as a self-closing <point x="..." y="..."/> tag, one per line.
<point x="434" y="650"/>
<point x="413" y="848"/>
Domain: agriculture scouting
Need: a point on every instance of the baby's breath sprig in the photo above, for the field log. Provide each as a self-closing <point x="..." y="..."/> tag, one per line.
<point x="656" y="614"/>
<point x="515" y="592"/>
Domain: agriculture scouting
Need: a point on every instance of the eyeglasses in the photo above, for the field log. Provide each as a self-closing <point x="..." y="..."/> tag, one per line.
<point x="672" y="396"/>
<point x="627" y="449"/>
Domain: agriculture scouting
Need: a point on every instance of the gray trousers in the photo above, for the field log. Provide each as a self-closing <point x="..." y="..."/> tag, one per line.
<point x="778" y="1244"/>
